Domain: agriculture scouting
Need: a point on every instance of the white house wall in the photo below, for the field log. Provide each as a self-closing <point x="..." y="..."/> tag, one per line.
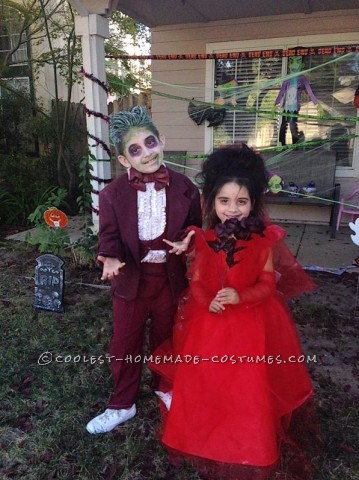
<point x="171" y="116"/>
<point x="44" y="83"/>
<point x="45" y="88"/>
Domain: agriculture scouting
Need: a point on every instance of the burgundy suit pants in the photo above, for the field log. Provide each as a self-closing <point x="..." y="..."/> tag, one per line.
<point x="154" y="299"/>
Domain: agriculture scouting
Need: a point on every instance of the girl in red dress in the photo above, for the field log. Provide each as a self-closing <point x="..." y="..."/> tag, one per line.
<point x="234" y="373"/>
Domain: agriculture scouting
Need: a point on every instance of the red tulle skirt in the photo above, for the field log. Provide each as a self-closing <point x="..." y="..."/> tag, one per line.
<point x="242" y="401"/>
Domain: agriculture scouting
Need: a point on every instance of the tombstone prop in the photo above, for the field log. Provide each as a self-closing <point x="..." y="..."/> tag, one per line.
<point x="49" y="283"/>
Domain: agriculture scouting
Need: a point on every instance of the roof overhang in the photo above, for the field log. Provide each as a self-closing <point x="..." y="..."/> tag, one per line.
<point x="154" y="13"/>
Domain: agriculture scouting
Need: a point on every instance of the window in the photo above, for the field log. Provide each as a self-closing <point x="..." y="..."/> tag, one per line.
<point x="250" y="93"/>
<point x="12" y="37"/>
<point x="9" y="43"/>
<point x="248" y="87"/>
<point x="17" y="83"/>
<point x="333" y="82"/>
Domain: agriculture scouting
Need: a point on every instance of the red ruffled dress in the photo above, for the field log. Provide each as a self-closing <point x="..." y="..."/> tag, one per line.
<point x="236" y="376"/>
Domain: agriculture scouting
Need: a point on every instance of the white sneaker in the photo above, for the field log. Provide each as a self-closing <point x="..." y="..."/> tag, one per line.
<point x="109" y="419"/>
<point x="165" y="397"/>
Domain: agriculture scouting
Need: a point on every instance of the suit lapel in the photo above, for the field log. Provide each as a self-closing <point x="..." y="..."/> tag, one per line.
<point x="127" y="216"/>
<point x="178" y="206"/>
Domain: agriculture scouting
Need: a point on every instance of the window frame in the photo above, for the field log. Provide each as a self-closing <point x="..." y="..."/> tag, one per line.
<point x="22" y="50"/>
<point x="282" y="43"/>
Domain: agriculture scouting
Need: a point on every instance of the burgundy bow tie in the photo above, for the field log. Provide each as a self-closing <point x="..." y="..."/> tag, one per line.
<point x="138" y="180"/>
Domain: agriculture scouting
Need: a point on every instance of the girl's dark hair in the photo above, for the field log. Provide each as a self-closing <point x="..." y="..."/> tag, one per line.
<point x="234" y="163"/>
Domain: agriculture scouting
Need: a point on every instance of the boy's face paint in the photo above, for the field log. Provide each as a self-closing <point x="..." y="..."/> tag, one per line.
<point x="142" y="150"/>
<point x="232" y="201"/>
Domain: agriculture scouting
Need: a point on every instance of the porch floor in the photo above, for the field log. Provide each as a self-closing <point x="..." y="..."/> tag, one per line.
<point x="313" y="247"/>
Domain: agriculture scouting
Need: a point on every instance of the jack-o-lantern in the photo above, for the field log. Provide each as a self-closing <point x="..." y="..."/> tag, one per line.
<point x="55" y="218"/>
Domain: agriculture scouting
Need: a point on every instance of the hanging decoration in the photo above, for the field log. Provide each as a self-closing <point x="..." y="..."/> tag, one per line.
<point x="289" y="97"/>
<point x="98" y="141"/>
<point x="339" y="50"/>
<point x="91" y="77"/>
<point x="227" y="90"/>
<point x="101" y="143"/>
<point x="199" y="112"/>
<point x="97" y="114"/>
<point x="101" y="180"/>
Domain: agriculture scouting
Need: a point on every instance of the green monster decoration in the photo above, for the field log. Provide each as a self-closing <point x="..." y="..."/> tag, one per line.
<point x="289" y="98"/>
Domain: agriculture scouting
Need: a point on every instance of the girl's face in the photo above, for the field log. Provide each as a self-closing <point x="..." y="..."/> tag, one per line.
<point x="142" y="151"/>
<point x="232" y="201"/>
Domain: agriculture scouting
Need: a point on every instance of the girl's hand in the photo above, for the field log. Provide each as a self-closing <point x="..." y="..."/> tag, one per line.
<point x="111" y="267"/>
<point x="216" y="307"/>
<point x="180" y="247"/>
<point x="228" y="296"/>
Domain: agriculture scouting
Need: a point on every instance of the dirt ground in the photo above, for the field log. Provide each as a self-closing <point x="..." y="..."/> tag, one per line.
<point x="339" y="293"/>
<point x="328" y="328"/>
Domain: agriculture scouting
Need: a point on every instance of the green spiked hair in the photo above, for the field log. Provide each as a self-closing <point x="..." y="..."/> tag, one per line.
<point x="122" y="122"/>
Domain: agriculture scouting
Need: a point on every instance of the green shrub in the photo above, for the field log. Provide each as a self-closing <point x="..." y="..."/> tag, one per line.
<point x="23" y="181"/>
<point x="63" y="147"/>
<point x="83" y="252"/>
<point x="52" y="197"/>
<point x="15" y="117"/>
<point x="48" y="239"/>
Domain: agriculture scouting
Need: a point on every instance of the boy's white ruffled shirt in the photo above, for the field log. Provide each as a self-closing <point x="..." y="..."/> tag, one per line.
<point x="152" y="219"/>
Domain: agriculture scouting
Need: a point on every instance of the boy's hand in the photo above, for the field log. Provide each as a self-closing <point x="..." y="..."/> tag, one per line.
<point x="180" y="247"/>
<point x="111" y="267"/>
<point x="227" y="296"/>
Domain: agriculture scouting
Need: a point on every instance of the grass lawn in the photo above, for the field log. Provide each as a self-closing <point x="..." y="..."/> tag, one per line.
<point x="44" y="408"/>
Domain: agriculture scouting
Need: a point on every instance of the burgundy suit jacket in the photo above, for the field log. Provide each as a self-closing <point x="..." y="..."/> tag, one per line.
<point x="118" y="230"/>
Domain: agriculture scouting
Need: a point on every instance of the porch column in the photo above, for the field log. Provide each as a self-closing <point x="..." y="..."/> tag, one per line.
<point x="93" y="30"/>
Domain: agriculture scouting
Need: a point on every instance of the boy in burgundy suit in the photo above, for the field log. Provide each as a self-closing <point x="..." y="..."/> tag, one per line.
<point x="138" y="210"/>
